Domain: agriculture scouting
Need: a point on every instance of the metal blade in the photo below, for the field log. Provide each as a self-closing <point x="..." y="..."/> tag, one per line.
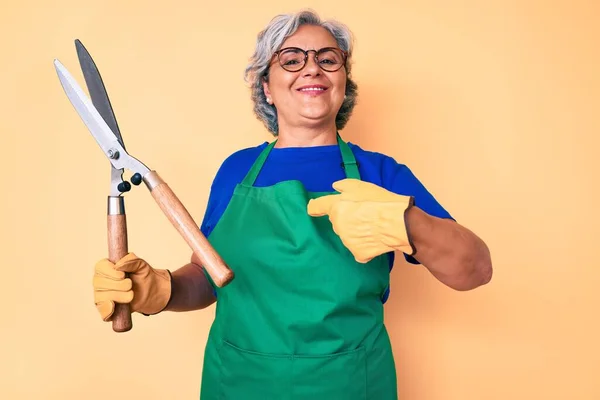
<point x="100" y="99"/>
<point x="97" y="90"/>
<point x="104" y="136"/>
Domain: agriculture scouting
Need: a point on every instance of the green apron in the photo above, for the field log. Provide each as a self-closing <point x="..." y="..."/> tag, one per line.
<point x="302" y="319"/>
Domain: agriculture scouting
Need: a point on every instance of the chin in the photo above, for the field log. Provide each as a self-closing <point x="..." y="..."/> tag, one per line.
<point x="316" y="112"/>
<point x="318" y="120"/>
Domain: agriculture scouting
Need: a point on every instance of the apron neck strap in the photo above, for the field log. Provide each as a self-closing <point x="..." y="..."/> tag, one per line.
<point x="349" y="163"/>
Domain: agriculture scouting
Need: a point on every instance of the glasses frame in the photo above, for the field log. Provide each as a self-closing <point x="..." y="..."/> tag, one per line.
<point x="317" y="52"/>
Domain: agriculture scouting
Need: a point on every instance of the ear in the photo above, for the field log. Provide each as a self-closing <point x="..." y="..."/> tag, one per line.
<point x="267" y="91"/>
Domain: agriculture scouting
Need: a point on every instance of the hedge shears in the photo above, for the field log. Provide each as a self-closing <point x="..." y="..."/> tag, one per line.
<point x="98" y="116"/>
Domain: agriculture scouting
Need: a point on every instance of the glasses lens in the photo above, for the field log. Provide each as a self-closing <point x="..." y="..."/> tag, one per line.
<point x="291" y="59"/>
<point x="330" y="59"/>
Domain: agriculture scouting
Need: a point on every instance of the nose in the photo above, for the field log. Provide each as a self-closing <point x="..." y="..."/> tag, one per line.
<point x="311" y="67"/>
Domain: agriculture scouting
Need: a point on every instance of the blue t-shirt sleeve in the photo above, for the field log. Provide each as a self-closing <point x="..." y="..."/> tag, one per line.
<point x="205" y="226"/>
<point x="229" y="174"/>
<point x="212" y="206"/>
<point x="398" y="178"/>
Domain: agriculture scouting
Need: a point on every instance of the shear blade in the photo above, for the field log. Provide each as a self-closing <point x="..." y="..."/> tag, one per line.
<point x="97" y="89"/>
<point x="99" y="129"/>
<point x="101" y="101"/>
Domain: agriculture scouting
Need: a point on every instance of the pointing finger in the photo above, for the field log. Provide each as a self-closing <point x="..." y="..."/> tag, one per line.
<point x="347" y="184"/>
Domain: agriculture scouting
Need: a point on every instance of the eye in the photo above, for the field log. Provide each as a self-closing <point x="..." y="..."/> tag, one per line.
<point x="291" y="57"/>
<point x="330" y="57"/>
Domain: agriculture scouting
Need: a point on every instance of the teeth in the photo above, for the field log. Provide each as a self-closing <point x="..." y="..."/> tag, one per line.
<point x="311" y="89"/>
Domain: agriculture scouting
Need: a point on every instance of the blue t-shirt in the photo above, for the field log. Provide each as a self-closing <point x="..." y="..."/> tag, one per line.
<point x="317" y="168"/>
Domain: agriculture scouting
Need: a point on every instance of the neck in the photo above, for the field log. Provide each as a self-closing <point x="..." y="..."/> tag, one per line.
<point x="306" y="136"/>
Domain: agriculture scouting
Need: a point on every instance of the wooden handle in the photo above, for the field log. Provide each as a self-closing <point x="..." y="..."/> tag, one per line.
<point x="187" y="227"/>
<point x="117" y="249"/>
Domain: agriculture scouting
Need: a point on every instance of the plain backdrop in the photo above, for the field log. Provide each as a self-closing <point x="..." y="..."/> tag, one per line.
<point x="493" y="105"/>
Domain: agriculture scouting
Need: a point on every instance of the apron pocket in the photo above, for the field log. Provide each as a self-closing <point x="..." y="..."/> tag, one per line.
<point x="335" y="376"/>
<point x="251" y="375"/>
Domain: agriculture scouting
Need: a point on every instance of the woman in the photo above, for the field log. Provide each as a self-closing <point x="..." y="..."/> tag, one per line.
<point x="309" y="224"/>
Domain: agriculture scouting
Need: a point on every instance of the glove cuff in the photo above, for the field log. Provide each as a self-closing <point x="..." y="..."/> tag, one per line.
<point x="409" y="248"/>
<point x="162" y="293"/>
<point x="395" y="228"/>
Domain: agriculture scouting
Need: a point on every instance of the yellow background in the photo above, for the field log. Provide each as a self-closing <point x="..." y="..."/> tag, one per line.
<point x="493" y="104"/>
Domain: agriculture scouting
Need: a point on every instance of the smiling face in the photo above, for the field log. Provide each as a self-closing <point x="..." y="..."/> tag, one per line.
<point x="310" y="97"/>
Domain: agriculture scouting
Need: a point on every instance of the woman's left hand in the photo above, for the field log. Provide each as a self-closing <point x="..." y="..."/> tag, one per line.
<point x="368" y="218"/>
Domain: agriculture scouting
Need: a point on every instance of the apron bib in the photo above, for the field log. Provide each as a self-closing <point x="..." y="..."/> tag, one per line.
<point x="302" y="319"/>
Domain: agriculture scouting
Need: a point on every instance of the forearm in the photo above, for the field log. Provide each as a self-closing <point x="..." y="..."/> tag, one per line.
<point x="452" y="253"/>
<point x="190" y="289"/>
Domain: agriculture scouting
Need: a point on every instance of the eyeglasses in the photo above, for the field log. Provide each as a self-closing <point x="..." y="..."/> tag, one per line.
<point x="329" y="59"/>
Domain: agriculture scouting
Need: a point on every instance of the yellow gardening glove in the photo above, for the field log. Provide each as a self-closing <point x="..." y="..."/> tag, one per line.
<point x="368" y="218"/>
<point x="147" y="290"/>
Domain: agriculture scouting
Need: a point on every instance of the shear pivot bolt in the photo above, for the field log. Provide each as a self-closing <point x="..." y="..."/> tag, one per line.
<point x="113" y="153"/>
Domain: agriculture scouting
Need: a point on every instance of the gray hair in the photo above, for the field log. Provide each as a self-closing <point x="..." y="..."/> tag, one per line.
<point x="270" y="40"/>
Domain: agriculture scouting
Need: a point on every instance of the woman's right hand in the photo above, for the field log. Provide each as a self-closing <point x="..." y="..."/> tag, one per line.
<point x="147" y="290"/>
